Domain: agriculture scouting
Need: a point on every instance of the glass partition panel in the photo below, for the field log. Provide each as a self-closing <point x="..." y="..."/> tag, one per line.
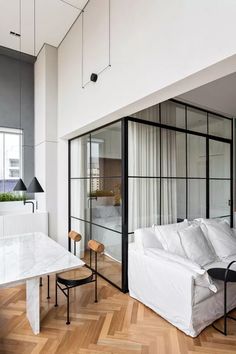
<point x="173" y="200"/>
<point x="150" y="114"/>
<point x="196" y="150"/>
<point x="196" y="120"/>
<point x="80" y="155"/>
<point x="219" y="198"/>
<point x="219" y="159"/>
<point x="144" y="202"/>
<point x="106" y="151"/>
<point x="144" y="148"/>
<point x="109" y="263"/>
<point x="173" y="114"/>
<point x="196" y="198"/>
<point x="80" y="199"/>
<point x="83" y="228"/>
<point x="106" y="202"/>
<point x="181" y="187"/>
<point x="173" y="150"/>
<point x="219" y="126"/>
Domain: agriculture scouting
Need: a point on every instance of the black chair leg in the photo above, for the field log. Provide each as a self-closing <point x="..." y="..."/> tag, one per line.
<point x="48" y="297"/>
<point x="56" y="303"/>
<point x="96" y="290"/>
<point x="41" y="281"/>
<point x="225" y="308"/>
<point x="68" y="306"/>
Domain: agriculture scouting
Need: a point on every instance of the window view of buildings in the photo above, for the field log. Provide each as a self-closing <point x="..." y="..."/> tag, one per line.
<point x="10" y="158"/>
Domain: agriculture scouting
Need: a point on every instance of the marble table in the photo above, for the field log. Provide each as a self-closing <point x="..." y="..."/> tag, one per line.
<point x="27" y="257"/>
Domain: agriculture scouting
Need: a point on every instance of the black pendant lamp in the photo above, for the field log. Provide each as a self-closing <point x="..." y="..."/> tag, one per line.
<point x="20" y="186"/>
<point x="35" y="186"/>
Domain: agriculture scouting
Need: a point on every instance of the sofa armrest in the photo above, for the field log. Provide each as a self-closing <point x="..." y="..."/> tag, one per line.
<point x="164" y="286"/>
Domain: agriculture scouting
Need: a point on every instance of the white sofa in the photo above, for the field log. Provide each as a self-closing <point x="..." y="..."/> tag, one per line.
<point x="177" y="289"/>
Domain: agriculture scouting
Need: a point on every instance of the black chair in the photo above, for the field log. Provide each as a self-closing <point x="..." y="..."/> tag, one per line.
<point x="73" y="278"/>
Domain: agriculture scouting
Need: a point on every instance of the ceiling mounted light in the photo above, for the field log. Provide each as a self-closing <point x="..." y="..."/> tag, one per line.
<point x="93" y="77"/>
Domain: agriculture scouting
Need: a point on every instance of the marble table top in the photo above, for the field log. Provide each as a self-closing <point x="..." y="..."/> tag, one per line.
<point x="26" y="256"/>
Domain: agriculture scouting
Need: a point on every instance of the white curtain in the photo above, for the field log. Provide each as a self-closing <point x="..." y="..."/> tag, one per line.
<point x="144" y="161"/>
<point x="168" y="188"/>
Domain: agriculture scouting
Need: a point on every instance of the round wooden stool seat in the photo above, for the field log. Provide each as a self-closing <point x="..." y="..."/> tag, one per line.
<point x="75" y="277"/>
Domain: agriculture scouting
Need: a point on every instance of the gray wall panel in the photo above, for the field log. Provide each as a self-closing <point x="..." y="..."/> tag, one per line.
<point x="10" y="105"/>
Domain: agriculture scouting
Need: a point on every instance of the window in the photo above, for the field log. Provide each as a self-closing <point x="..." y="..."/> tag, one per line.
<point x="10" y="158"/>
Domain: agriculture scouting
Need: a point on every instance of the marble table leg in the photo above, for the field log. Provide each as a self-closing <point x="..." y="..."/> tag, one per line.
<point x="33" y="303"/>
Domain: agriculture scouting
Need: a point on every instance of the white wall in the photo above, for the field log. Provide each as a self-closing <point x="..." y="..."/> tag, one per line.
<point x="46" y="132"/>
<point x="159" y="49"/>
<point x="154" y="44"/>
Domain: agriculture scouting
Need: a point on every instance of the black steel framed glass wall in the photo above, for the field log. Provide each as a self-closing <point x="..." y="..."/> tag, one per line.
<point x="181" y="165"/>
<point x="169" y="162"/>
<point x="95" y="196"/>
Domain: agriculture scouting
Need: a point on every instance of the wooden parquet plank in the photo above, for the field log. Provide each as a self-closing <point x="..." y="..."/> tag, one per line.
<point x="117" y="324"/>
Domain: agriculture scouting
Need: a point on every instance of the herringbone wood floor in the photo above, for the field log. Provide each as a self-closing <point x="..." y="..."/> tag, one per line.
<point x="117" y="324"/>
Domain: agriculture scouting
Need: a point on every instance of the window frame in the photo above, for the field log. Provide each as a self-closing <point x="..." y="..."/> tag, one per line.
<point x="11" y="131"/>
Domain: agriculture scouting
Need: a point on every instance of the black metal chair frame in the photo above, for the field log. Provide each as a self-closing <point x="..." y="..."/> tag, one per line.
<point x="70" y="284"/>
<point x="226" y="314"/>
<point x="48" y="278"/>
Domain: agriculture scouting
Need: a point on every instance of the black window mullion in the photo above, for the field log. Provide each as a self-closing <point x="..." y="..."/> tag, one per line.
<point x="186" y="162"/>
<point x="125" y="204"/>
<point x="90" y="200"/>
<point x="160" y="138"/>
<point x="69" y="193"/>
<point x="207" y="181"/>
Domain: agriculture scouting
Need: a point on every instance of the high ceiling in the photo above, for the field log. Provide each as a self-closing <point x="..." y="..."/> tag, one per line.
<point x="218" y="96"/>
<point x="53" y="19"/>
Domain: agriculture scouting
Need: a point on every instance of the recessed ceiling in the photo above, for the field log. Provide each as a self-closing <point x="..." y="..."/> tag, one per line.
<point x="218" y="96"/>
<point x="53" y="19"/>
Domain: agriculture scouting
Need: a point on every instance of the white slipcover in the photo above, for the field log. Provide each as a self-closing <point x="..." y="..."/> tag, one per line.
<point x="177" y="292"/>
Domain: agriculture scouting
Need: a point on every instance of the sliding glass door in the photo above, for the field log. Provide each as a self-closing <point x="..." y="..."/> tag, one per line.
<point x="95" y="197"/>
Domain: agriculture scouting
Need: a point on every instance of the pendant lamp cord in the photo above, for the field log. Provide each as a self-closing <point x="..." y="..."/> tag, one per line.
<point x="34" y="27"/>
<point x="20" y="75"/>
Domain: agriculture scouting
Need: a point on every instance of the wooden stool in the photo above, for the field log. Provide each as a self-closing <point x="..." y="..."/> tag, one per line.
<point x="70" y="279"/>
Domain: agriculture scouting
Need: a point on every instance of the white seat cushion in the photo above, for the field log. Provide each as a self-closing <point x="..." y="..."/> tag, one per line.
<point x="196" y="246"/>
<point x="169" y="237"/>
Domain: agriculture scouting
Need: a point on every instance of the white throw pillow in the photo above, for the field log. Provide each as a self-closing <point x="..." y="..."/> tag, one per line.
<point x="146" y="238"/>
<point x="196" y="246"/>
<point x="222" y="239"/>
<point x="169" y="237"/>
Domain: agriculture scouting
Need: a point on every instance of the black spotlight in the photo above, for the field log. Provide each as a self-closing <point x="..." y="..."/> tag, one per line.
<point x="93" y="77"/>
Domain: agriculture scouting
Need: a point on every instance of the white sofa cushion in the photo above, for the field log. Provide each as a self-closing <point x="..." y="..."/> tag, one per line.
<point x="196" y="246"/>
<point x="169" y="237"/>
<point x="146" y="238"/>
<point x="222" y="238"/>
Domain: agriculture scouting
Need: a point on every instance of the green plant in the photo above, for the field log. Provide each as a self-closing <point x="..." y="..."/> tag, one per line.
<point x="10" y="197"/>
